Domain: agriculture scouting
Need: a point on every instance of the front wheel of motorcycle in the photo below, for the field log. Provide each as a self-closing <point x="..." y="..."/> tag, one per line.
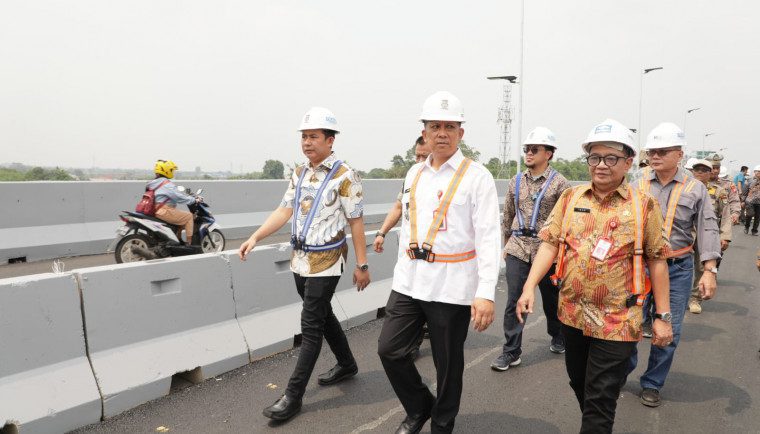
<point x="124" y="251"/>
<point x="213" y="242"/>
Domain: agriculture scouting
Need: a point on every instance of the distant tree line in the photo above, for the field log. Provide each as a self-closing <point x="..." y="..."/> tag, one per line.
<point x="574" y="170"/>
<point x="272" y="169"/>
<point x="35" y="174"/>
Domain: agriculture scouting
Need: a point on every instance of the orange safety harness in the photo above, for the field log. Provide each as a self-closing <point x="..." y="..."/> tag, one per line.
<point x="645" y="184"/>
<point x="641" y="285"/>
<point x="425" y="252"/>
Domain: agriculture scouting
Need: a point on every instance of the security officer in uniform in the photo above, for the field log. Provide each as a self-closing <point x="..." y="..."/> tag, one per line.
<point x="686" y="210"/>
<point x="734" y="203"/>
<point x="719" y="199"/>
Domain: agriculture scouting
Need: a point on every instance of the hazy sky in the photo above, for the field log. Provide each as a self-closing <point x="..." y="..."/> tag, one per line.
<point x="222" y="84"/>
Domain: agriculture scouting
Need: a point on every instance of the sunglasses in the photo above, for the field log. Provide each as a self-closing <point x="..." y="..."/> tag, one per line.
<point x="532" y="149"/>
<point x="701" y="169"/>
<point x="659" y="152"/>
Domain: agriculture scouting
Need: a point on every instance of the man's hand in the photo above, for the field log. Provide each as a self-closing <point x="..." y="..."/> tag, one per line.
<point x="707" y="285"/>
<point x="361" y="279"/>
<point x="525" y="304"/>
<point x="723" y="245"/>
<point x="662" y="333"/>
<point x="378" y="244"/>
<point x="735" y="218"/>
<point x="246" y="248"/>
<point x="481" y="314"/>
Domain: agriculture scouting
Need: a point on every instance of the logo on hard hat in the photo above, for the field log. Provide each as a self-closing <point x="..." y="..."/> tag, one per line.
<point x="331" y="120"/>
<point x="444" y="104"/>
<point x="681" y="135"/>
<point x="603" y="129"/>
<point x="306" y="118"/>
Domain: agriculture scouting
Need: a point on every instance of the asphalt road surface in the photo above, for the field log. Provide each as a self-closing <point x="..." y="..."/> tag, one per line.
<point x="712" y="388"/>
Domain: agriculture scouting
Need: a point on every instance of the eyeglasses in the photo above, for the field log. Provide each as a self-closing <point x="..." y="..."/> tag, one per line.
<point x="659" y="152"/>
<point x="609" y="160"/>
<point x="531" y="149"/>
<point x="701" y="169"/>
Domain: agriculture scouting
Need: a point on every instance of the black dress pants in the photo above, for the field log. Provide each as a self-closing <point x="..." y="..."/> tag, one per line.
<point x="447" y="325"/>
<point x="517" y="274"/>
<point x="597" y="370"/>
<point x="317" y="321"/>
<point x="755" y="215"/>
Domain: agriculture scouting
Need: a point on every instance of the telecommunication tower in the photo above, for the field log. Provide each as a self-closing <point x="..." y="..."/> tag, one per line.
<point x="504" y="120"/>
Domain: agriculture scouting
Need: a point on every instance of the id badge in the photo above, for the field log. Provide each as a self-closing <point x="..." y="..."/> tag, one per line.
<point x="601" y="249"/>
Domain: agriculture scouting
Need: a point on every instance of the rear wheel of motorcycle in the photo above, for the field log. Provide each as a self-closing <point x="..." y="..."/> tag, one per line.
<point x="124" y="248"/>
<point x="218" y="242"/>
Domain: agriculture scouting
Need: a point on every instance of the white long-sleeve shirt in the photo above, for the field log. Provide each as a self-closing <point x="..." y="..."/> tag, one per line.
<point x="472" y="222"/>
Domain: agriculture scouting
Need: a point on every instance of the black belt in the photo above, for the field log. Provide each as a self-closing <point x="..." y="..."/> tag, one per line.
<point x="672" y="261"/>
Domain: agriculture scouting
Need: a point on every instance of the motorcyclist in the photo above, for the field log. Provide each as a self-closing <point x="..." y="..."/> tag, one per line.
<point x="168" y="196"/>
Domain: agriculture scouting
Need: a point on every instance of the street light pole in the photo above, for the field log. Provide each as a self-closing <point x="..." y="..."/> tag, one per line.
<point x="688" y="112"/>
<point x="641" y="102"/>
<point x="703" y="142"/>
<point x="518" y="156"/>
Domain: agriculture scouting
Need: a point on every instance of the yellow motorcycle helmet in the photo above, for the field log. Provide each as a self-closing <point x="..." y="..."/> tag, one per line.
<point x="165" y="168"/>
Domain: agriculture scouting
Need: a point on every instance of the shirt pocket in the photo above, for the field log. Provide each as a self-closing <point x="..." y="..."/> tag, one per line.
<point x="685" y="209"/>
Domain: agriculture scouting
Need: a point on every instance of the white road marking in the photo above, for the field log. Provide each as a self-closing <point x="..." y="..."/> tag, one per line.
<point x="395" y="410"/>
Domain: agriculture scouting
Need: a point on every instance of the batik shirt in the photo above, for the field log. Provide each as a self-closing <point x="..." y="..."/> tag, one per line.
<point x="753" y="192"/>
<point x="593" y="293"/>
<point x="341" y="200"/>
<point x="522" y="247"/>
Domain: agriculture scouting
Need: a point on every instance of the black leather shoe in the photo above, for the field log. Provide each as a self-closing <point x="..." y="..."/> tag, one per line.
<point x="650" y="397"/>
<point x="412" y="424"/>
<point x="283" y="409"/>
<point x="337" y="374"/>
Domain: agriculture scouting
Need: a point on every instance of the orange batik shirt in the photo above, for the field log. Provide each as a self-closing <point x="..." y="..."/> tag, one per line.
<point x="593" y="294"/>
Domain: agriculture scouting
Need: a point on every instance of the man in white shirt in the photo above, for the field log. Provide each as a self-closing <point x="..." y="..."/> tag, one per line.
<point x="447" y="268"/>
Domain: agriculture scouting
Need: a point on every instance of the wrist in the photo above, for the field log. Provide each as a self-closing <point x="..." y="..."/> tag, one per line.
<point x="380" y="233"/>
<point x="362" y="266"/>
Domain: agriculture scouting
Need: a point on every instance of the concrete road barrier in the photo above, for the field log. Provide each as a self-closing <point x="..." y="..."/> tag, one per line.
<point x="269" y="308"/>
<point x="46" y="383"/>
<point x="148" y="321"/>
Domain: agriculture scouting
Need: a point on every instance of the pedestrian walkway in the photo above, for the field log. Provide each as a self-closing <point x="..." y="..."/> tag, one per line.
<point x="714" y="385"/>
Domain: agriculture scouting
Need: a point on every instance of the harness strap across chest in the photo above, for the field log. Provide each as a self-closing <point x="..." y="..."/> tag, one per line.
<point x="425" y="251"/>
<point x="299" y="241"/>
<point x="640" y="287"/>
<point x="530" y="231"/>
<point x="645" y="184"/>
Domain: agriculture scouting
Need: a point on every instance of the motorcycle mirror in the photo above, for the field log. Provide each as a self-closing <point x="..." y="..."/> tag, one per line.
<point x="200" y="190"/>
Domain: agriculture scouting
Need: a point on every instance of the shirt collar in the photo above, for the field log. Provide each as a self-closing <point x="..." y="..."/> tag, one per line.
<point x="680" y="176"/>
<point x="622" y="189"/>
<point x="453" y="161"/>
<point x="545" y="174"/>
<point x="327" y="163"/>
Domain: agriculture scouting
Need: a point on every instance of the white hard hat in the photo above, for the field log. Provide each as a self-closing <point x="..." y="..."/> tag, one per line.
<point x="690" y="163"/>
<point x="319" y="118"/>
<point x="701" y="162"/>
<point x="723" y="172"/>
<point x="442" y="106"/>
<point x="665" y="135"/>
<point x="609" y="131"/>
<point x="757" y="168"/>
<point x="541" y="136"/>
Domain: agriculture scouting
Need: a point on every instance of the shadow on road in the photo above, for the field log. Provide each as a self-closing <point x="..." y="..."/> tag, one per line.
<point x="498" y="422"/>
<point x="683" y="387"/>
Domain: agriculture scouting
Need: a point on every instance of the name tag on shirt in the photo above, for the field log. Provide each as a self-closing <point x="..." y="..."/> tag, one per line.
<point x="601" y="249"/>
<point x="586" y="210"/>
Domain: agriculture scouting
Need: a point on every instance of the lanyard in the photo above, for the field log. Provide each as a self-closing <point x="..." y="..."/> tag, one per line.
<point x="536" y="205"/>
<point x="300" y="240"/>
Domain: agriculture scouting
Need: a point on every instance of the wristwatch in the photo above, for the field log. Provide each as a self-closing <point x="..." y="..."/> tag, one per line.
<point x="380" y="234"/>
<point x="713" y="270"/>
<point x="363" y="267"/>
<point x="666" y="316"/>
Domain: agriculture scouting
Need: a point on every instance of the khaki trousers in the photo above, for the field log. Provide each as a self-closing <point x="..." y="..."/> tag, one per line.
<point x="177" y="217"/>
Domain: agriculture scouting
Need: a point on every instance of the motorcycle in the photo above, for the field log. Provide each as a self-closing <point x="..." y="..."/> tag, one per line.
<point x="144" y="237"/>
